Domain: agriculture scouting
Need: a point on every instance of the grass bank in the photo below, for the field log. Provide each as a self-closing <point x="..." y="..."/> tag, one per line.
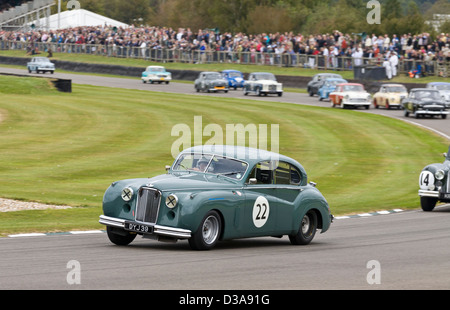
<point x="66" y="148"/>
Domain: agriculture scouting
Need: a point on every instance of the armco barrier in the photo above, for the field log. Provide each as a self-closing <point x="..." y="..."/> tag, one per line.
<point x="62" y="85"/>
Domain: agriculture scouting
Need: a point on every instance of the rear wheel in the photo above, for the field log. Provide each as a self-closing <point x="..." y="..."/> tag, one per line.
<point x="307" y="230"/>
<point x="208" y="232"/>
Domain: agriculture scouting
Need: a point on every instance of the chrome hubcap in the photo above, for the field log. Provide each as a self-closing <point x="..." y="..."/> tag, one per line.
<point x="210" y="229"/>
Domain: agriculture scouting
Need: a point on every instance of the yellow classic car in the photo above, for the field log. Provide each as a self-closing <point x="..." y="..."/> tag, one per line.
<point x="389" y="96"/>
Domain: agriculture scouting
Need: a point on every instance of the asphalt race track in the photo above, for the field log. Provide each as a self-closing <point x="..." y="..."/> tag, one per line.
<point x="396" y="250"/>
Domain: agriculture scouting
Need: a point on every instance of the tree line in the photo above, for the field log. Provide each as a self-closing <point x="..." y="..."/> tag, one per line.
<point x="271" y="16"/>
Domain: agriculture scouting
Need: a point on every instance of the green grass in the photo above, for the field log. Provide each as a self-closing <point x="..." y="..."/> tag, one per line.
<point x="66" y="148"/>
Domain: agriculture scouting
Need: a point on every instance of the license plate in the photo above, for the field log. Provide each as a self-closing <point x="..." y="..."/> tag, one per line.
<point x="446" y="196"/>
<point x="219" y="87"/>
<point x="162" y="79"/>
<point x="142" y="228"/>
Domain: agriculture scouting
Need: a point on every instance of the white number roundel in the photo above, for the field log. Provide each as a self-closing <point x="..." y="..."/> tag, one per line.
<point x="260" y="211"/>
<point x="426" y="180"/>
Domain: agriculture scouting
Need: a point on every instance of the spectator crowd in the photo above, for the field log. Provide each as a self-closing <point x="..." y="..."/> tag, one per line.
<point x="332" y="45"/>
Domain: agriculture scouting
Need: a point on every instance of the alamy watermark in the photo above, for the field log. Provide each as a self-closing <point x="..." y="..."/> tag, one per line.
<point x="251" y="135"/>
<point x="374" y="16"/>
<point x="74" y="274"/>
<point x="374" y="275"/>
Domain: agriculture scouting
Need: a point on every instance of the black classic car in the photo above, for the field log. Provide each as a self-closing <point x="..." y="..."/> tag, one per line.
<point x="423" y="102"/>
<point x="434" y="183"/>
<point x="318" y="80"/>
<point x="211" y="82"/>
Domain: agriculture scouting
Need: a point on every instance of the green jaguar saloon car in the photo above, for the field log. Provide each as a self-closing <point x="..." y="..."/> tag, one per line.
<point x="434" y="183"/>
<point x="213" y="193"/>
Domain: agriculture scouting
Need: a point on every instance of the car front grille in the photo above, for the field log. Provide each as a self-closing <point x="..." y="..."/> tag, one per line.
<point x="148" y="205"/>
<point x="358" y="99"/>
<point x="272" y="87"/>
<point x="433" y="107"/>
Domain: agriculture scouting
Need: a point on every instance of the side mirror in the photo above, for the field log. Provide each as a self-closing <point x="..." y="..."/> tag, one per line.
<point x="167" y="168"/>
<point x="252" y="181"/>
<point x="445" y="155"/>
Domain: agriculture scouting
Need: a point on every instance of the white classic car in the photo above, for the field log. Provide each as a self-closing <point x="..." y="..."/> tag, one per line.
<point x="444" y="90"/>
<point x="389" y="96"/>
<point x="156" y="74"/>
<point x="350" y="94"/>
<point x="262" y="83"/>
<point x="40" y="64"/>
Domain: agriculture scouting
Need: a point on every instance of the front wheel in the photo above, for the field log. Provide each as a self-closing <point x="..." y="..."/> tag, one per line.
<point x="208" y="232"/>
<point x="119" y="236"/>
<point x="428" y="203"/>
<point x="307" y="230"/>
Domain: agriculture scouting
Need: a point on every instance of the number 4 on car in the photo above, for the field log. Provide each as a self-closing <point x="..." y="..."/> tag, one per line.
<point x="434" y="183"/>
<point x="213" y="193"/>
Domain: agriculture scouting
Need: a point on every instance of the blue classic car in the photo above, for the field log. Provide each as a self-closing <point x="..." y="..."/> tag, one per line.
<point x="156" y="74"/>
<point x="213" y="193"/>
<point x="328" y="87"/>
<point x="40" y="64"/>
<point x="318" y="80"/>
<point x="235" y="78"/>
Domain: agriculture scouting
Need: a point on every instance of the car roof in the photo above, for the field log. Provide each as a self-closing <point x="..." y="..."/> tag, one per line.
<point x="247" y="154"/>
<point x="351" y="84"/>
<point x="424" y="89"/>
<point x="438" y="83"/>
<point x="230" y="70"/>
<point x="392" y="84"/>
<point x="336" y="79"/>
<point x="325" y="74"/>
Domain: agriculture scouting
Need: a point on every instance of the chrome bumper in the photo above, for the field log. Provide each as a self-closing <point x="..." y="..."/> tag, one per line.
<point x="425" y="193"/>
<point x="431" y="112"/>
<point x="356" y="103"/>
<point x="157" y="229"/>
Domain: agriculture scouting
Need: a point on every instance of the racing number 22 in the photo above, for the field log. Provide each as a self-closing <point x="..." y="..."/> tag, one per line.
<point x="261" y="211"/>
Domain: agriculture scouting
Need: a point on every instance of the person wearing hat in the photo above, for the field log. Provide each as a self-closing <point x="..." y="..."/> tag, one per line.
<point x="393" y="60"/>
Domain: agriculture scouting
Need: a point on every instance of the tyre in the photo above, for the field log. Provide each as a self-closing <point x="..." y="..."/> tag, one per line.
<point x="119" y="236"/>
<point x="208" y="232"/>
<point x="406" y="113"/>
<point x="428" y="203"/>
<point x="444" y="116"/>
<point x="307" y="230"/>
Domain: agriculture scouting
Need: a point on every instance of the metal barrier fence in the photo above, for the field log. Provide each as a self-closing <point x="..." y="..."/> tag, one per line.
<point x="340" y="63"/>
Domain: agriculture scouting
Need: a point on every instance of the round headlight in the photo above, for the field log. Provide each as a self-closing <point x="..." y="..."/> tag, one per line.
<point x="171" y="201"/>
<point x="127" y="193"/>
<point x="439" y="175"/>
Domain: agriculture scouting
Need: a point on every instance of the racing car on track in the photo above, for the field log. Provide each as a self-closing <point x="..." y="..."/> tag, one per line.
<point x="434" y="183"/>
<point x="213" y="193"/>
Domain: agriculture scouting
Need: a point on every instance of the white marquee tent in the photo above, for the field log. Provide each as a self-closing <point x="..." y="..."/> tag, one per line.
<point x="78" y="18"/>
